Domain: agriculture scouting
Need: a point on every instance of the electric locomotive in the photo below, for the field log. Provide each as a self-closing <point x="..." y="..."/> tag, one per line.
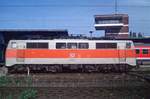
<point x="59" y="54"/>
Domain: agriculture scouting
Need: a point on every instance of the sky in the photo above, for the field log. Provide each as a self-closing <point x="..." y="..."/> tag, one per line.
<point x="77" y="16"/>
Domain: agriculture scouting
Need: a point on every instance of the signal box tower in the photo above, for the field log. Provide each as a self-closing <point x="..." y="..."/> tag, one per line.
<point x="114" y="25"/>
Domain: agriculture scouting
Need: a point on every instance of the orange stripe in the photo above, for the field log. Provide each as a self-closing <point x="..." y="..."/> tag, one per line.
<point x="11" y="53"/>
<point x="43" y="53"/>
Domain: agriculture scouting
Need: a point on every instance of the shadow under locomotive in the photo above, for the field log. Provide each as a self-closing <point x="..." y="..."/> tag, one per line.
<point x="79" y="68"/>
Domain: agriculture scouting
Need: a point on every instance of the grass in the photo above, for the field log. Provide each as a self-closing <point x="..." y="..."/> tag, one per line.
<point x="4" y="81"/>
<point x="27" y="93"/>
<point x="8" y="81"/>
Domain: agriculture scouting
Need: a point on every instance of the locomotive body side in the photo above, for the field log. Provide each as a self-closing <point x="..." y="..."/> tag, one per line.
<point x="61" y="52"/>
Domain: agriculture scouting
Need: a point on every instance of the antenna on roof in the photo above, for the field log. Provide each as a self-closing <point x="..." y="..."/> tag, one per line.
<point x="116" y="6"/>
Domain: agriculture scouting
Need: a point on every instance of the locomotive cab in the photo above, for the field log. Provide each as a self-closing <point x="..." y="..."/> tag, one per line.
<point x="127" y="53"/>
<point x="15" y="53"/>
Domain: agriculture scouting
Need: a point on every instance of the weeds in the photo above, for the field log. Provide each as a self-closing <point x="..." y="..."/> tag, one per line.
<point x="28" y="94"/>
<point x="4" y="81"/>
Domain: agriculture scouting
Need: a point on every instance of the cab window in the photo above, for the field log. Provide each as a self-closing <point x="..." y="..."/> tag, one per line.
<point x="13" y="45"/>
<point x="128" y="45"/>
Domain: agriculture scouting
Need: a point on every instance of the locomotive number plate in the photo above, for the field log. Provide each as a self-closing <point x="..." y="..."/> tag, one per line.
<point x="72" y="55"/>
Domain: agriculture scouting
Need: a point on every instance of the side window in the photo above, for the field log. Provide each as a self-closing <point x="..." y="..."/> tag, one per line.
<point x="106" y="45"/>
<point x="83" y="46"/>
<point x="111" y="45"/>
<point x="137" y="51"/>
<point x="43" y="45"/>
<point x="145" y="51"/>
<point x="37" y="45"/>
<point x="71" y="45"/>
<point x="100" y="45"/>
<point x="31" y="45"/>
<point x="128" y="45"/>
<point x="60" y="45"/>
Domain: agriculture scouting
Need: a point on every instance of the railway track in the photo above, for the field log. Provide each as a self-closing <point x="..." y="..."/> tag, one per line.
<point x="140" y="75"/>
<point x="80" y="85"/>
<point x="111" y="74"/>
<point x="79" y="80"/>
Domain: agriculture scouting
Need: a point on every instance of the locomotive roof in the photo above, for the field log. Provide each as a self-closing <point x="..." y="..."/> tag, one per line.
<point x="74" y="40"/>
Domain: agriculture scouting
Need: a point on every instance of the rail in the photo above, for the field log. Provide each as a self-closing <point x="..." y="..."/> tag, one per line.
<point x="139" y="75"/>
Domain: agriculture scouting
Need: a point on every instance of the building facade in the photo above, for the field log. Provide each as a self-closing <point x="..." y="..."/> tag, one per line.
<point x="114" y="25"/>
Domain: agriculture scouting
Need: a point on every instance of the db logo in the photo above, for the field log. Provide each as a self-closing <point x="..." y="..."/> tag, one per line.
<point x="72" y="55"/>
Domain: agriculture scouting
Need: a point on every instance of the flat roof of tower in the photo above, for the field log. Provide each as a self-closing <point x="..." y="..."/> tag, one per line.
<point x="112" y="15"/>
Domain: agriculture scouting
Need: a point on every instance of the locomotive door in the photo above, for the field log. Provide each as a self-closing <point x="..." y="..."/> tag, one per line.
<point x="20" y="52"/>
<point x="122" y="52"/>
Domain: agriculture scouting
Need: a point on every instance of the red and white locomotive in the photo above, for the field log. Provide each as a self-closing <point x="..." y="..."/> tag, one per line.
<point x="93" y="55"/>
